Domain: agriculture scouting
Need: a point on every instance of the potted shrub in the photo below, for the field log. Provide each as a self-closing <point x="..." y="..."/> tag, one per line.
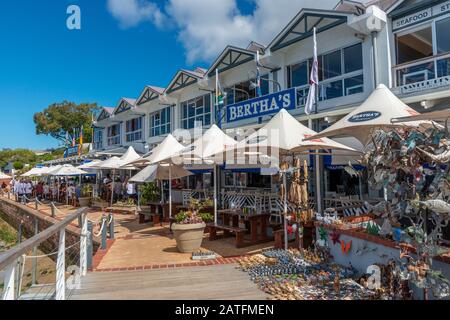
<point x="98" y="202"/>
<point x="149" y="193"/>
<point x="189" y="228"/>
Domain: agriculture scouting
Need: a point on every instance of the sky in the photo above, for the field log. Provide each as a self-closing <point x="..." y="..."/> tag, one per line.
<point x="122" y="46"/>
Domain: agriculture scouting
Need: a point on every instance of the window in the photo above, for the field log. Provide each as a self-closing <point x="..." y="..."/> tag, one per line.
<point x="114" y="135"/>
<point x="134" y="129"/>
<point x="196" y="110"/>
<point x="340" y="74"/>
<point x="246" y="90"/>
<point x="98" y="138"/>
<point x="235" y="179"/>
<point x="331" y="65"/>
<point x="443" y="36"/>
<point x="353" y="58"/>
<point x="160" y="122"/>
<point x="415" y="45"/>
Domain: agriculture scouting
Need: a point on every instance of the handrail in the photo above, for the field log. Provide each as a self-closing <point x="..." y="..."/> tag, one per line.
<point x="13" y="254"/>
<point x="420" y="61"/>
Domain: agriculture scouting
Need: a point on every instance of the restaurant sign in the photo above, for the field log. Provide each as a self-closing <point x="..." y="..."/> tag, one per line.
<point x="364" y="116"/>
<point x="422" y="15"/>
<point x="261" y="106"/>
<point x="72" y="151"/>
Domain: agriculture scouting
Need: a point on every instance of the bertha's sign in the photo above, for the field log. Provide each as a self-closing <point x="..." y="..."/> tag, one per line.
<point x="261" y="106"/>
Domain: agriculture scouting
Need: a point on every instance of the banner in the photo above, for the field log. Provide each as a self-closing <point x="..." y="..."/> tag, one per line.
<point x="261" y="106"/>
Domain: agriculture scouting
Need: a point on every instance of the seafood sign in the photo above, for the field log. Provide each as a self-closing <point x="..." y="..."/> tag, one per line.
<point x="261" y="106"/>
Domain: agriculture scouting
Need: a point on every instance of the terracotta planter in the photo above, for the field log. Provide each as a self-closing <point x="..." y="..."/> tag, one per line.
<point x="188" y="236"/>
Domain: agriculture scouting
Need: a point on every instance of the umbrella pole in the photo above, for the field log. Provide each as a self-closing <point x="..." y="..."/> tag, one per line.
<point x="318" y="184"/>
<point x="285" y="212"/>
<point x="215" y="194"/>
<point x="170" y="191"/>
<point x="360" y="188"/>
<point x="112" y="187"/>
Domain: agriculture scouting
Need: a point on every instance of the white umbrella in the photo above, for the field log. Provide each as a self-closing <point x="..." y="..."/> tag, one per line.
<point x="284" y="134"/>
<point x="439" y="115"/>
<point x="376" y="112"/>
<point x="115" y="163"/>
<point x="162" y="154"/>
<point x="49" y="171"/>
<point x="67" y="170"/>
<point x="209" y="148"/>
<point x="160" y="172"/>
<point x="89" y="165"/>
<point x="4" y="176"/>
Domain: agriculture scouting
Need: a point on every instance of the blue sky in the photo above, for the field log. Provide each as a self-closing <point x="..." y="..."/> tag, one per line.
<point x="122" y="46"/>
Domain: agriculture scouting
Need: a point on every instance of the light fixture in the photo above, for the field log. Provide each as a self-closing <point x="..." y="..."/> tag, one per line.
<point x="427" y="104"/>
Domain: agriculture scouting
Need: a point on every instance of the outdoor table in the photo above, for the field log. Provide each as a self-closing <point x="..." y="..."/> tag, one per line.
<point x="254" y="220"/>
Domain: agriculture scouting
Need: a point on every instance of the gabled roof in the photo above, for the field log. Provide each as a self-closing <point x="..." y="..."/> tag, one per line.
<point x="184" y="78"/>
<point x="350" y="6"/>
<point x="149" y="93"/>
<point x="255" y="46"/>
<point x="105" y="113"/>
<point x="231" y="57"/>
<point x="302" y="25"/>
<point x="125" y="104"/>
<point x="405" y="7"/>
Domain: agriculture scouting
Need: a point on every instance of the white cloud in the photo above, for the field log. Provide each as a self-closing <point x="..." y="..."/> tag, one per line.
<point x="205" y="27"/>
<point x="130" y="13"/>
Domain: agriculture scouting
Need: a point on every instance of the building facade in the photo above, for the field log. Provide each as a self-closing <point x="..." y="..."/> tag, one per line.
<point x="402" y="44"/>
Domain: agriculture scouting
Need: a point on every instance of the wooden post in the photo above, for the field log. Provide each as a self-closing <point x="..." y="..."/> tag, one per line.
<point x="34" y="262"/>
<point x="111" y="227"/>
<point x="36" y="204"/>
<point x="52" y="206"/>
<point x="9" y="292"/>
<point x="104" y="232"/>
<point x="89" y="245"/>
<point x="61" y="267"/>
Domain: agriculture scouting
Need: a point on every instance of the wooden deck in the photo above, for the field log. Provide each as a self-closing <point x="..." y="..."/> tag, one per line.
<point x="222" y="282"/>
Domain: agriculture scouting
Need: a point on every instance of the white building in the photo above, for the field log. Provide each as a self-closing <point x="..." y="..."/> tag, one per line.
<point x="403" y="44"/>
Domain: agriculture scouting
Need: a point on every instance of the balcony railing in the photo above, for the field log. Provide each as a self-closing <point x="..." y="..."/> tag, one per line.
<point x="424" y="71"/>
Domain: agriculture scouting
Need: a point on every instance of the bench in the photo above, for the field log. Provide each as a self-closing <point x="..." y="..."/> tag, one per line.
<point x="239" y="232"/>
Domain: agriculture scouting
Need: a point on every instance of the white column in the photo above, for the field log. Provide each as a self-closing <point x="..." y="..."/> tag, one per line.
<point x="215" y="194"/>
<point x="61" y="267"/>
<point x="8" y="290"/>
<point x="170" y="191"/>
<point x="285" y="211"/>
<point x="83" y="246"/>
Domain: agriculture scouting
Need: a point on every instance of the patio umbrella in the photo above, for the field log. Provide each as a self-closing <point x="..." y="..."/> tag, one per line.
<point x="116" y="163"/>
<point x="209" y="149"/>
<point x="89" y="165"/>
<point x="67" y="170"/>
<point x="376" y="112"/>
<point x="439" y="115"/>
<point x="160" y="172"/>
<point x="35" y="172"/>
<point x="162" y="154"/>
<point x="283" y="134"/>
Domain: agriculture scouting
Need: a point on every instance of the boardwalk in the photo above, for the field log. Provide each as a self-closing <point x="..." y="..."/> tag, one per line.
<point x="196" y="283"/>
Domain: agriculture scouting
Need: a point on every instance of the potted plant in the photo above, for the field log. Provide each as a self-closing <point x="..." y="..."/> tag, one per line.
<point x="149" y="193"/>
<point x="85" y="199"/>
<point x="189" y="227"/>
<point x="98" y="202"/>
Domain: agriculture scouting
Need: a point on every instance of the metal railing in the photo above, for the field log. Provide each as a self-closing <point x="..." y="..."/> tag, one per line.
<point x="12" y="261"/>
<point x="422" y="70"/>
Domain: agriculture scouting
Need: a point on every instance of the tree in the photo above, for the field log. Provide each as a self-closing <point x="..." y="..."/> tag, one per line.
<point x="18" y="165"/>
<point x="61" y="118"/>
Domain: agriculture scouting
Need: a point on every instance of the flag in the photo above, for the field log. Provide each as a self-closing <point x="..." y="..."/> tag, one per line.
<point x="81" y="141"/>
<point x="73" y="138"/>
<point x="258" y="76"/>
<point x="313" y="80"/>
<point x="219" y="91"/>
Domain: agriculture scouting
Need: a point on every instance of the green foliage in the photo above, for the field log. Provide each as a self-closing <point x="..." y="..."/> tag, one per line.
<point x="59" y="118"/>
<point x="18" y="165"/>
<point x="191" y="217"/>
<point x="7" y="234"/>
<point x="149" y="192"/>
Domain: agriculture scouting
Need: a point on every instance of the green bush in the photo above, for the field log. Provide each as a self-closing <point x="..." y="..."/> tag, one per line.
<point x="149" y="192"/>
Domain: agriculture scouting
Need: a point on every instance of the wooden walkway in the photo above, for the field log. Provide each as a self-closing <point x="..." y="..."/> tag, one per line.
<point x="222" y="282"/>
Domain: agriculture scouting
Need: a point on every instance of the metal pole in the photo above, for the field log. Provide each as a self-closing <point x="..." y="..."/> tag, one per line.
<point x="375" y="60"/>
<point x="104" y="233"/>
<point x="111" y="227"/>
<point x="83" y="245"/>
<point x="170" y="191"/>
<point x="89" y="245"/>
<point x="215" y="194"/>
<point x="285" y="211"/>
<point x="112" y="187"/>
<point x="52" y="206"/>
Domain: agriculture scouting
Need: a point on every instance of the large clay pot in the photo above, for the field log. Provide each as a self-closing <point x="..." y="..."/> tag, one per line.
<point x="188" y="236"/>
